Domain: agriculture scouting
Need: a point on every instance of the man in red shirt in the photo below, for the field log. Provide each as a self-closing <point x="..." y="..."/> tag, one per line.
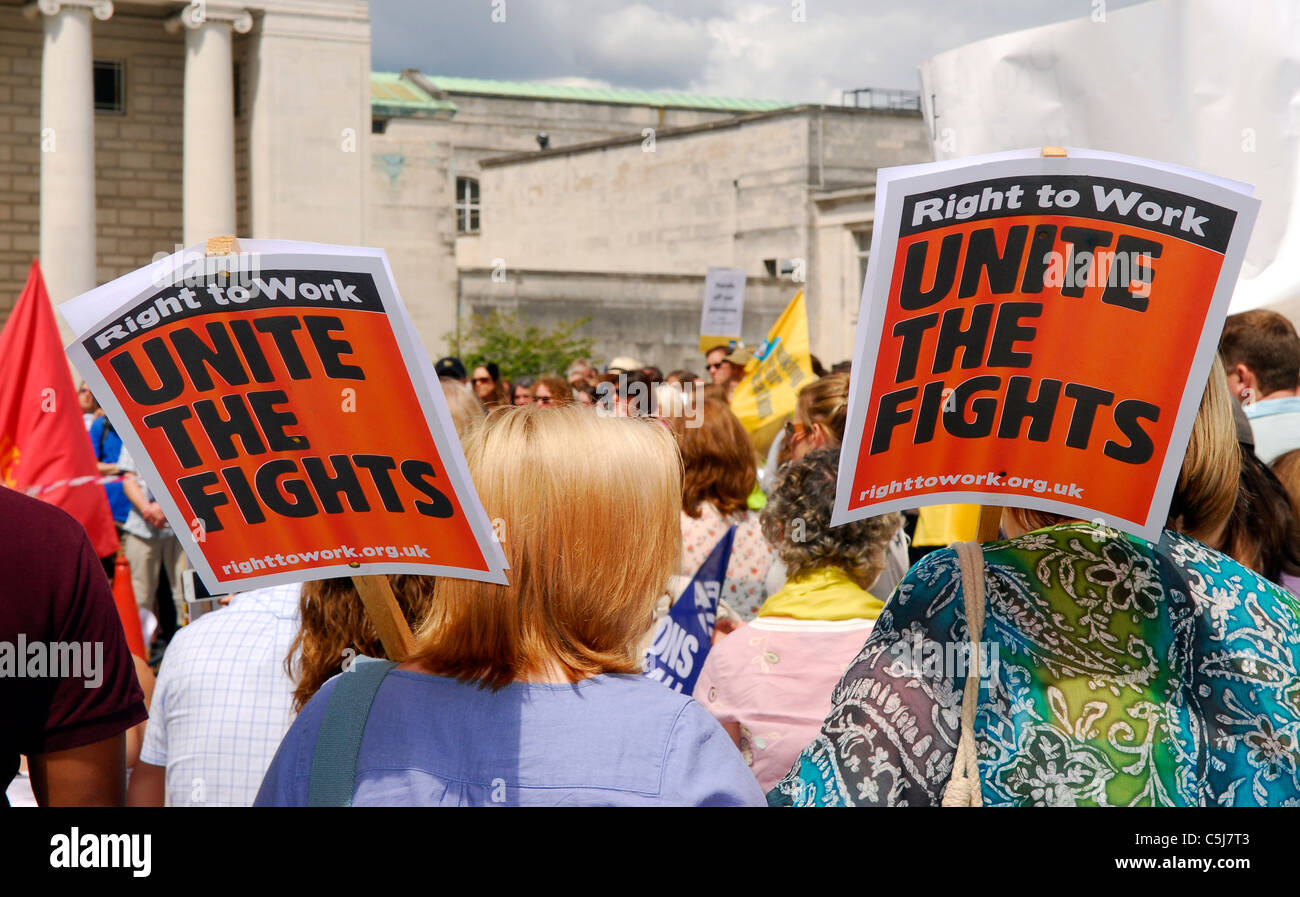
<point x="68" y="689"/>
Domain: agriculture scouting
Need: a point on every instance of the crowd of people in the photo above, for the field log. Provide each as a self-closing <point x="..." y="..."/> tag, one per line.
<point x="1103" y="669"/>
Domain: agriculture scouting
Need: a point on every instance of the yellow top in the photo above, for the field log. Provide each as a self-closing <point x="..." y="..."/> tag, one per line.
<point x="824" y="594"/>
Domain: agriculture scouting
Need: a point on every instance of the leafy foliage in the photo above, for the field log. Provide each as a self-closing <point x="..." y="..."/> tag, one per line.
<point x="519" y="348"/>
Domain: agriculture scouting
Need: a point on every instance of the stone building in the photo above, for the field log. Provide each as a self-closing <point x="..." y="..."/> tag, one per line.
<point x="623" y="229"/>
<point x="128" y="128"/>
<point x="433" y="140"/>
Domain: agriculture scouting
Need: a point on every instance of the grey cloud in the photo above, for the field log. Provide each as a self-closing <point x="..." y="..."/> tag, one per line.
<point x="748" y="48"/>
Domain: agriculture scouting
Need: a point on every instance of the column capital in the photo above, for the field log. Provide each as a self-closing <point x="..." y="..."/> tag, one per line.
<point x="195" y="15"/>
<point x="100" y="9"/>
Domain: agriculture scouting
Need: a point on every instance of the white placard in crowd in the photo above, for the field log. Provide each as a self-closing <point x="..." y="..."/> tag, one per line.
<point x="724" y="304"/>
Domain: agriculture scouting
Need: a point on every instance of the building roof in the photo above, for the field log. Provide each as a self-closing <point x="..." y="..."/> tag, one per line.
<point x="391" y="94"/>
<point x="535" y="91"/>
<point x="721" y="124"/>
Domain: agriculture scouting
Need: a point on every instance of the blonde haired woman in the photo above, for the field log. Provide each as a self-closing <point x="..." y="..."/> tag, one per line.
<point x="466" y="410"/>
<point x="820" y="414"/>
<point x="1121" y="672"/>
<point x="532" y="693"/>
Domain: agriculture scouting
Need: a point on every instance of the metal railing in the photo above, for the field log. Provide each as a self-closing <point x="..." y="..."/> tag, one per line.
<point x="882" y="98"/>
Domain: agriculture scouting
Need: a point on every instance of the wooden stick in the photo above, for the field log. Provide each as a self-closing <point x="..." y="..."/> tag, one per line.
<point x="223" y="245"/>
<point x="381" y="604"/>
<point x="987" y="528"/>
<point x="375" y="591"/>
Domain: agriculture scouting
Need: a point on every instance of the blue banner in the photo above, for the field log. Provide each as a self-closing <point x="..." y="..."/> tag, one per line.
<point x="684" y="636"/>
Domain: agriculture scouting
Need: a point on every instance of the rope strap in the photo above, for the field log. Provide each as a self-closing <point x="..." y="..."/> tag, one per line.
<point x="963" y="788"/>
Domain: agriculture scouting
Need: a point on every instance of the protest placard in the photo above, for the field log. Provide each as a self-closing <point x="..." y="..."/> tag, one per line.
<point x="284" y="416"/>
<point x="1037" y="332"/>
<point x="724" y="307"/>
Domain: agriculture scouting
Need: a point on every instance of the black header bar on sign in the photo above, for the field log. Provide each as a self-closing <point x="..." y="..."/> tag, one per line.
<point x="1104" y="199"/>
<point x="239" y="291"/>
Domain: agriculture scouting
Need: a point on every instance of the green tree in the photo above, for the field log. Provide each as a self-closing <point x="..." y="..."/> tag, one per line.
<point x="517" y="347"/>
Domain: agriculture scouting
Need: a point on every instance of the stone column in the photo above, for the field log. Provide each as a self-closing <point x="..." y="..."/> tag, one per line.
<point x="208" y="166"/>
<point x="67" y="140"/>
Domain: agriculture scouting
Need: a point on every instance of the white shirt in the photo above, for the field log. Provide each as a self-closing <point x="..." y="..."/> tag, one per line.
<point x="224" y="700"/>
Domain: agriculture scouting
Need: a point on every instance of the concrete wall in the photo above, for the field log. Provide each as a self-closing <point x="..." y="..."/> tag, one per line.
<point x="412" y="184"/>
<point x="487" y="126"/>
<point x="309" y="90"/>
<point x="835" y="284"/>
<point x="409" y="214"/>
<point x="20" y="155"/>
<point x="735" y="193"/>
<point x="722" y="196"/>
<point x="857" y="142"/>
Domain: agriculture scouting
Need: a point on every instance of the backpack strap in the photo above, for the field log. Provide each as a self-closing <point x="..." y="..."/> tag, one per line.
<point x="334" y="763"/>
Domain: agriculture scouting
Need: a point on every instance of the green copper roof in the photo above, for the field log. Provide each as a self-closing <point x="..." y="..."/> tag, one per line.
<point x="391" y="94"/>
<point x="533" y="91"/>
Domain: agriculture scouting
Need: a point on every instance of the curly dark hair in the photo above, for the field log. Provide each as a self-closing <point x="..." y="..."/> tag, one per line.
<point x="333" y="619"/>
<point x="797" y="522"/>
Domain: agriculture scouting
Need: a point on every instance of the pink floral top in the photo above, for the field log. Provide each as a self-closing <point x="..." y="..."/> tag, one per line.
<point x="774" y="676"/>
<point x="745" y="589"/>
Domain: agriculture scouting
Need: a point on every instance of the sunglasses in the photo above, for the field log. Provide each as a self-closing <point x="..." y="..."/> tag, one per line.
<point x="543" y="400"/>
<point x="477" y="380"/>
<point x="716" y="365"/>
<point x="794" y="431"/>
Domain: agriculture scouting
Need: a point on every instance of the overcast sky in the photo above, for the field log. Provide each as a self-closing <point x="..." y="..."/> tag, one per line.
<point x="740" y="48"/>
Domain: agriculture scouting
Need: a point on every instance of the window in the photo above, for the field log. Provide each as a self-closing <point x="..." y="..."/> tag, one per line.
<point x="378" y="125"/>
<point x="782" y="267"/>
<point x="862" y="246"/>
<point x="467" y="206"/>
<point x="110" y="95"/>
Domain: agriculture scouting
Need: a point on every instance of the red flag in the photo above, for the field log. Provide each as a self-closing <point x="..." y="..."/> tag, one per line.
<point x="44" y="449"/>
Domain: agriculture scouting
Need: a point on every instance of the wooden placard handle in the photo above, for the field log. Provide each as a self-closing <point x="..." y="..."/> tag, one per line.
<point x="381" y="604"/>
<point x="375" y="591"/>
<point x="987" y="528"/>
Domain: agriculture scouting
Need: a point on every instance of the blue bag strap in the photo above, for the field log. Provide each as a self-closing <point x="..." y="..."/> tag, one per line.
<point x="334" y="763"/>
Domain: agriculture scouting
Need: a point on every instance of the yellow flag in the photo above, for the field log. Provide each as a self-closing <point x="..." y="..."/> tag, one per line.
<point x="774" y="376"/>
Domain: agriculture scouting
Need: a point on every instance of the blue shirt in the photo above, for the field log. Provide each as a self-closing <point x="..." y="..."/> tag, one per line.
<point x="108" y="445"/>
<point x="609" y="740"/>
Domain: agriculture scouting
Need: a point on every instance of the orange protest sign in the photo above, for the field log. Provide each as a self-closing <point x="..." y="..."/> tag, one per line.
<point x="1037" y="332"/>
<point x="277" y="406"/>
